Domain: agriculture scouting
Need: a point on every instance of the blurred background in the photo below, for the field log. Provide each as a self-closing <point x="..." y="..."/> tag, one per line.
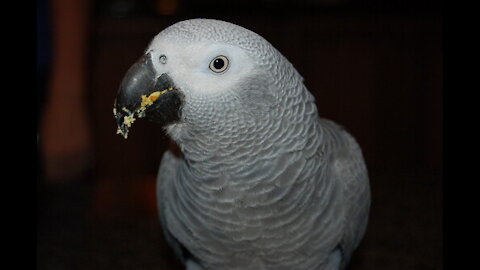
<point x="376" y="67"/>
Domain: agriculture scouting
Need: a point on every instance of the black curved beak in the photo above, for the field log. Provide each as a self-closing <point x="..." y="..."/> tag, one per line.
<point x="143" y="95"/>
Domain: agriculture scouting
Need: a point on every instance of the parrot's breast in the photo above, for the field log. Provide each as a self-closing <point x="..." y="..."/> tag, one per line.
<point x="271" y="215"/>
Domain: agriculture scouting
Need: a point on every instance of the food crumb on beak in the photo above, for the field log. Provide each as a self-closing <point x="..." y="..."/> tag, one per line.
<point x="146" y="101"/>
<point x="149" y="100"/>
<point x="128" y="120"/>
<point x="119" y="131"/>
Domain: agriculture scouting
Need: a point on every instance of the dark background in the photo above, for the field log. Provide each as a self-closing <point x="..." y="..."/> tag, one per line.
<point x="375" y="67"/>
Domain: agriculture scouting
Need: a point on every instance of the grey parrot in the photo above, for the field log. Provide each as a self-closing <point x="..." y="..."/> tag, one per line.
<point x="262" y="181"/>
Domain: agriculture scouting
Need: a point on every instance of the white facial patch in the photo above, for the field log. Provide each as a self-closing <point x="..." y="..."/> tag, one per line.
<point x="189" y="65"/>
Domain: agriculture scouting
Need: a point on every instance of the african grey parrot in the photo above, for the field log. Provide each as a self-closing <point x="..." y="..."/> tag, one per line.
<point x="263" y="182"/>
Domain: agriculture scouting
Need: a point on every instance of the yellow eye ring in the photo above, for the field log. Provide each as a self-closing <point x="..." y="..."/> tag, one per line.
<point x="219" y="64"/>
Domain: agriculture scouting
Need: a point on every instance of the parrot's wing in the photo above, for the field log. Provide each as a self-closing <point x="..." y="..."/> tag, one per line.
<point x="166" y="176"/>
<point x="351" y="172"/>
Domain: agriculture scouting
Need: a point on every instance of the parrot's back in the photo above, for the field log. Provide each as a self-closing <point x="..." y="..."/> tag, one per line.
<point x="349" y="170"/>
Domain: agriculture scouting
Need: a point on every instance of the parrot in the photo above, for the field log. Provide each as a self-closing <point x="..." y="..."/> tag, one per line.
<point x="261" y="181"/>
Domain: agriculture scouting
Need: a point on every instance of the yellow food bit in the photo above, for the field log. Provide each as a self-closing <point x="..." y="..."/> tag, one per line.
<point x="128" y="120"/>
<point x="119" y="131"/>
<point x="147" y="101"/>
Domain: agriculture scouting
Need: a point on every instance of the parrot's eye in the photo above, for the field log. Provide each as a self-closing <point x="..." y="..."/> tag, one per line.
<point x="219" y="64"/>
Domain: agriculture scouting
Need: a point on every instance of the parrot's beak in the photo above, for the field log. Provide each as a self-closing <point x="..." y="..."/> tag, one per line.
<point x="144" y="95"/>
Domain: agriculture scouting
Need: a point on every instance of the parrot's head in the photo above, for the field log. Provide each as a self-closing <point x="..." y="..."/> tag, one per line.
<point x="207" y="76"/>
